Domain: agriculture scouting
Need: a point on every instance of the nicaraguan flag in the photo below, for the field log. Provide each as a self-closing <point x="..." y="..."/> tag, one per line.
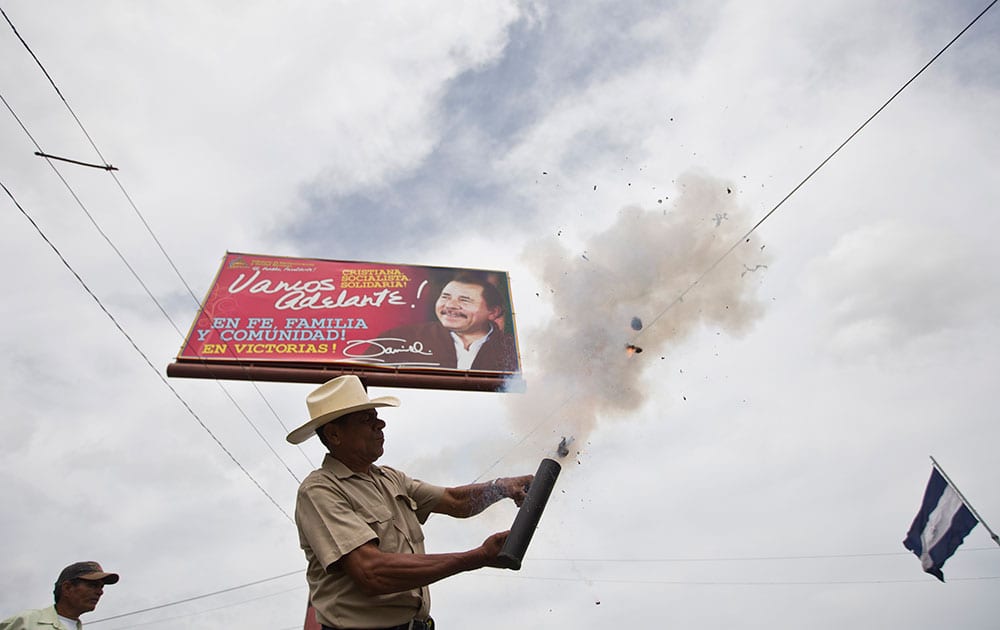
<point x="941" y="525"/>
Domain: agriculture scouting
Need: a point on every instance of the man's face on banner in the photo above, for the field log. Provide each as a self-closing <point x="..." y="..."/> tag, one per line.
<point x="462" y="309"/>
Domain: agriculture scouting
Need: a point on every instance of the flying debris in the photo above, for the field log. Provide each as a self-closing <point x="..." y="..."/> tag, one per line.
<point x="747" y="270"/>
<point x="636" y="323"/>
<point x="563" y="449"/>
<point x="631" y="348"/>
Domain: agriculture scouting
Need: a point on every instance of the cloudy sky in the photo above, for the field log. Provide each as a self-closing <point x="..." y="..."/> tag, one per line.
<point x="757" y="466"/>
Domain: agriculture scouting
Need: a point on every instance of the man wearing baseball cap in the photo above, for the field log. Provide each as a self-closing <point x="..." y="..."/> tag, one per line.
<point x="77" y="590"/>
<point x="359" y="524"/>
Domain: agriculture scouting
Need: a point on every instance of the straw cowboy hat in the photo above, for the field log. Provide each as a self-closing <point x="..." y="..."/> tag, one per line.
<point x="336" y="398"/>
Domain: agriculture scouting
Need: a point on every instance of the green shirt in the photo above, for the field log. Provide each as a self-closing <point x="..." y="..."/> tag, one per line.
<point x="41" y="619"/>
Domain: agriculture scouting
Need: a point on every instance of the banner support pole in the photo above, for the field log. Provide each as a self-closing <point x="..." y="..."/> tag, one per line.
<point x="965" y="501"/>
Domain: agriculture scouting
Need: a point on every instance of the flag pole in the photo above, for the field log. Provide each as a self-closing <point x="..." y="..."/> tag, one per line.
<point x="965" y="501"/>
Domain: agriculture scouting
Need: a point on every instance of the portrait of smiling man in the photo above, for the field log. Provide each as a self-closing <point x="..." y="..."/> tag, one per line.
<point x="467" y="334"/>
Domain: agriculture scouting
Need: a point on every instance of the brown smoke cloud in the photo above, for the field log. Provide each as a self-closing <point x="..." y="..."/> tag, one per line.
<point x="623" y="289"/>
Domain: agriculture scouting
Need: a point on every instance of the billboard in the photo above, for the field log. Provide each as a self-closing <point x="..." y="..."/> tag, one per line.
<point x="306" y="314"/>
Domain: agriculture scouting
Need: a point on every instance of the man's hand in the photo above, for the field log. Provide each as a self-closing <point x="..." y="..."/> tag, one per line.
<point x="515" y="487"/>
<point x="492" y="546"/>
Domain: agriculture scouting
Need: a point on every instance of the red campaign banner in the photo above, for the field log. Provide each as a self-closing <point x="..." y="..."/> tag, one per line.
<point x="302" y="310"/>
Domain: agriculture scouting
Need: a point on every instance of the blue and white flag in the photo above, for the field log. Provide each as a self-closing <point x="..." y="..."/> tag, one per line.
<point x="941" y="525"/>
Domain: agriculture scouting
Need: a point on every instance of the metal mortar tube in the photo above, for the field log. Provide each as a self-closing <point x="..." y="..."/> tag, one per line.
<point x="529" y="514"/>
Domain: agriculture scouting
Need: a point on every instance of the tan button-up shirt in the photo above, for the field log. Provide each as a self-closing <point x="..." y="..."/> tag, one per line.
<point x="337" y="511"/>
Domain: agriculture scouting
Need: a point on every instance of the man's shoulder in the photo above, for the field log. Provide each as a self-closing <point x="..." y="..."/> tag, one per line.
<point x="332" y="471"/>
<point x="499" y="352"/>
<point x="28" y="618"/>
<point x="389" y="471"/>
<point x="395" y="478"/>
<point x="502" y="336"/>
<point x="318" y="476"/>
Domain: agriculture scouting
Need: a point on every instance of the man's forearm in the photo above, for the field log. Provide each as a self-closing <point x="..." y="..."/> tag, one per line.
<point x="474" y="498"/>
<point x="379" y="573"/>
<point x="471" y="499"/>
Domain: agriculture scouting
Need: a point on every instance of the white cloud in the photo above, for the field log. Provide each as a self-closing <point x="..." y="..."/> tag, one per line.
<point x="890" y="284"/>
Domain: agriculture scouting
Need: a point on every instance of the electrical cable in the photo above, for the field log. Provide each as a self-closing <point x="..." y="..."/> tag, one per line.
<point x="598" y="580"/>
<point x="91" y="217"/>
<point x="831" y="556"/>
<point x="614" y="560"/>
<point x="209" y="610"/>
<point x="136" y="276"/>
<point x="152" y="234"/>
<point x="142" y="354"/>
<point x="197" y="597"/>
<point x="550" y="416"/>
<point x="734" y="582"/>
<point x="745" y="237"/>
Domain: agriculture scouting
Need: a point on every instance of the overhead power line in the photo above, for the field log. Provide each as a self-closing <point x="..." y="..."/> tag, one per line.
<point x="151" y="233"/>
<point x="89" y="216"/>
<point x="210" y="610"/>
<point x="197" y="597"/>
<point x="550" y="416"/>
<point x="135" y="274"/>
<point x="681" y="559"/>
<point x="840" y="556"/>
<point x="142" y="354"/>
<point x="733" y="582"/>
<point x="745" y="237"/>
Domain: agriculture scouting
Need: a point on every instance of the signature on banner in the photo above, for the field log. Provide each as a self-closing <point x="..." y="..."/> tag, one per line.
<point x="375" y="349"/>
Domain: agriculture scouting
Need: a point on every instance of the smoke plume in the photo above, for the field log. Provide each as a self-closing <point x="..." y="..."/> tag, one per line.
<point x="616" y="307"/>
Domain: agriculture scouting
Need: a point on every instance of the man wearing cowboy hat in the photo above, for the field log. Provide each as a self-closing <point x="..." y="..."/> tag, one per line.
<point x="359" y="524"/>
<point x="77" y="590"/>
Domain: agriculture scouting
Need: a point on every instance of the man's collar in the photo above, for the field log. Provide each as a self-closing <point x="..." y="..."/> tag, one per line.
<point x="457" y="338"/>
<point x="341" y="470"/>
